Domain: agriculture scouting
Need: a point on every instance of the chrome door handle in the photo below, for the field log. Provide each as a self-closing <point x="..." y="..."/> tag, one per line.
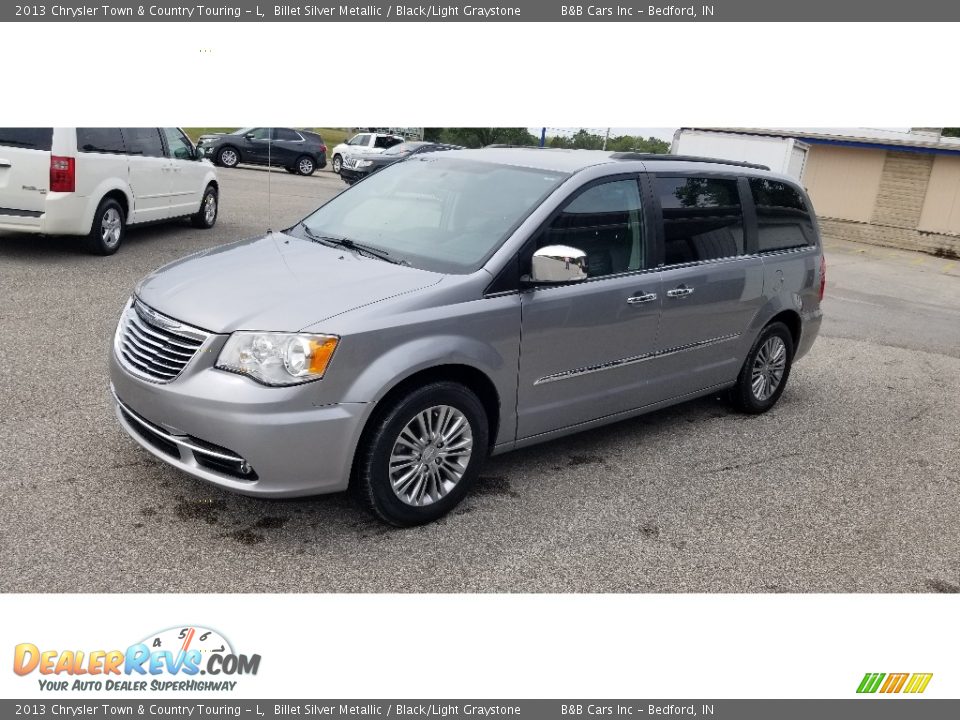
<point x="680" y="292"/>
<point x="638" y="299"/>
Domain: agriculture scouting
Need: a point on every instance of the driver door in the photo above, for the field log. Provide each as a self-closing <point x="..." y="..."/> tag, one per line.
<point x="585" y="344"/>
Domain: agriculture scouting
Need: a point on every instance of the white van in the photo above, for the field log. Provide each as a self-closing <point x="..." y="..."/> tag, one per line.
<point x="94" y="182"/>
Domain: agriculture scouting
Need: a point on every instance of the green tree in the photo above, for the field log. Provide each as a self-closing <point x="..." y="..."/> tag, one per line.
<point x="951" y="132"/>
<point x="475" y="137"/>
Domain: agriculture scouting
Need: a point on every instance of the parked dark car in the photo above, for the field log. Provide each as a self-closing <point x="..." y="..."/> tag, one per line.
<point x="359" y="166"/>
<point x="299" y="151"/>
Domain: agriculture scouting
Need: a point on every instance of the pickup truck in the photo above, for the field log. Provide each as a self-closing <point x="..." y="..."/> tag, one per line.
<point x="368" y="143"/>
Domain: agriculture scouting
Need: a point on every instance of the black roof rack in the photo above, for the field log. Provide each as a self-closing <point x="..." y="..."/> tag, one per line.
<point x="684" y="158"/>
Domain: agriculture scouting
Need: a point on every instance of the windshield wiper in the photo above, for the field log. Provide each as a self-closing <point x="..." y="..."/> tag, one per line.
<point x="352" y="245"/>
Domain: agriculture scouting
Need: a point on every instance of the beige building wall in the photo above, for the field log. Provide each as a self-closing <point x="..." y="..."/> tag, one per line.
<point x="844" y="182"/>
<point x="941" y="208"/>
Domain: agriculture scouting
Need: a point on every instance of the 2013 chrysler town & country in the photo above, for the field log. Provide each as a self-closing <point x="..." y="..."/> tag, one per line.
<point x="467" y="303"/>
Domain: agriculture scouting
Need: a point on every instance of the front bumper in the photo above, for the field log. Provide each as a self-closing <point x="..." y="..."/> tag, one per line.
<point x="207" y="423"/>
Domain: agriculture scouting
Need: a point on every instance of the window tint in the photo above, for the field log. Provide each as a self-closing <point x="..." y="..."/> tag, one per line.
<point x="286" y="134"/>
<point x="782" y="216"/>
<point x="260" y="133"/>
<point x="606" y="223"/>
<point x="30" y="138"/>
<point x="702" y="218"/>
<point x="177" y="144"/>
<point x="100" y="140"/>
<point x="143" y="141"/>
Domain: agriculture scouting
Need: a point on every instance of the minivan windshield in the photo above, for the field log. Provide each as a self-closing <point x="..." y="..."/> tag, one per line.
<point x="434" y="211"/>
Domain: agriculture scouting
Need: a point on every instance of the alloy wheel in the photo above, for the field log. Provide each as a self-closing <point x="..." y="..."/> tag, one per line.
<point x="431" y="455"/>
<point x="768" y="368"/>
<point x="111" y="227"/>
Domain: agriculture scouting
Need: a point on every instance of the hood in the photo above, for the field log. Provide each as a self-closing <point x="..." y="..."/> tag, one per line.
<point x="276" y="282"/>
<point x="211" y="136"/>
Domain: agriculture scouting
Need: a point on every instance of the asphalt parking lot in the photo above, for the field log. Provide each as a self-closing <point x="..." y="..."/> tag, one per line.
<point x="851" y="484"/>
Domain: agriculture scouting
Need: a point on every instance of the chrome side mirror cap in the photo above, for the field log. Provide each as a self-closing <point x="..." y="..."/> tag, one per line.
<point x="558" y="264"/>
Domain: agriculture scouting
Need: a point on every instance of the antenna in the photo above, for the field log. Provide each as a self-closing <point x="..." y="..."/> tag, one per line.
<point x="269" y="183"/>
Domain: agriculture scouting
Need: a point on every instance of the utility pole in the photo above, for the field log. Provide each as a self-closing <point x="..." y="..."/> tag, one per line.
<point x="543" y="137"/>
<point x="605" y="138"/>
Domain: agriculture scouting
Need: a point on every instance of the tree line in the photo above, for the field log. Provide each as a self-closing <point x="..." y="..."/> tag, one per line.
<point x="581" y="140"/>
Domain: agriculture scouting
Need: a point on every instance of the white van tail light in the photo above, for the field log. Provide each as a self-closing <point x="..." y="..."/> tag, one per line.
<point x="63" y="174"/>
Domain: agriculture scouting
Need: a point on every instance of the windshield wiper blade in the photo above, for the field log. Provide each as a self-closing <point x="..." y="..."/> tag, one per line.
<point x="352" y="245"/>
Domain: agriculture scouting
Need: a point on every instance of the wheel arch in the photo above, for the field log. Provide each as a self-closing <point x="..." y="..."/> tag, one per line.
<point x="790" y="318"/>
<point x="474" y="379"/>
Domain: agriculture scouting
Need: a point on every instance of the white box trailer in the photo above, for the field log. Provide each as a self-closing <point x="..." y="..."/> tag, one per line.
<point x="784" y="155"/>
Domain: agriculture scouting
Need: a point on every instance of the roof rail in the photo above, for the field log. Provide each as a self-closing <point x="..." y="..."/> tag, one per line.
<point x="684" y="158"/>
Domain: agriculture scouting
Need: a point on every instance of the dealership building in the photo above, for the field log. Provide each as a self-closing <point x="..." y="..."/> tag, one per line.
<point x="884" y="187"/>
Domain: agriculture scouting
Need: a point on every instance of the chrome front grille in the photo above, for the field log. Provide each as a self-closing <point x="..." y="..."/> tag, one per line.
<point x="153" y="346"/>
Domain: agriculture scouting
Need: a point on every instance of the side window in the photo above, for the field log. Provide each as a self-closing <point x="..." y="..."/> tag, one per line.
<point x="606" y="222"/>
<point x="30" y="138"/>
<point x="100" y="140"/>
<point x="286" y="134"/>
<point x="702" y="218"/>
<point x="782" y="216"/>
<point x="260" y="134"/>
<point x="177" y="144"/>
<point x="143" y="141"/>
<point x="360" y="140"/>
<point x="386" y="142"/>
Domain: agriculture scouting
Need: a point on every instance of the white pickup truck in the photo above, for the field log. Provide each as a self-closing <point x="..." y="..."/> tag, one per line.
<point x="368" y="143"/>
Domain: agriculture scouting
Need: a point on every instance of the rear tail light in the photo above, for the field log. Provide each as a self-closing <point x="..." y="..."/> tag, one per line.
<point x="63" y="174"/>
<point x="823" y="275"/>
<point x="323" y="148"/>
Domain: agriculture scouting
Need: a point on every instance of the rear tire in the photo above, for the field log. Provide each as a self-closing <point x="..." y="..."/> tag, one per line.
<point x="108" y="229"/>
<point x="206" y="217"/>
<point x="765" y="372"/>
<point x="228" y="157"/>
<point x="421" y="454"/>
<point x="305" y="165"/>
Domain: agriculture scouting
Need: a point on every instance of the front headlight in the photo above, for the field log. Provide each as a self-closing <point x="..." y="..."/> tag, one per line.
<point x="364" y="163"/>
<point x="278" y="358"/>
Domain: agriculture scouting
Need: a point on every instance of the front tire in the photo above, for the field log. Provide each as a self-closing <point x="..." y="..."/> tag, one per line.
<point x="422" y="454"/>
<point x="337" y="164"/>
<point x="764" y="374"/>
<point x="228" y="157"/>
<point x="206" y="217"/>
<point x="305" y="165"/>
<point x="108" y="229"/>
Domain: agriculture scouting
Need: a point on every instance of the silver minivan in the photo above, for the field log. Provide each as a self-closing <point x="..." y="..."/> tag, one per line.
<point x="463" y="304"/>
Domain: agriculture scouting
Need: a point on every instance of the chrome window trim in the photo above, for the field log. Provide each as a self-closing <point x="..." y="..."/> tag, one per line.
<point x="589" y="370"/>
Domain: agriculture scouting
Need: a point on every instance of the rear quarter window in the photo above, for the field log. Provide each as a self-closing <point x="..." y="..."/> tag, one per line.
<point x="783" y="218"/>
<point x="100" y="140"/>
<point x="28" y="138"/>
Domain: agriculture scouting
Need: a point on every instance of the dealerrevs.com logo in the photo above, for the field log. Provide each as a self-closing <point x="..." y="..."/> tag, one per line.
<point x="173" y="659"/>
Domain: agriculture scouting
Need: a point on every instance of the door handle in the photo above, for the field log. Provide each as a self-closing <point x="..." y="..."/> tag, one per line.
<point x="4" y="163"/>
<point x="680" y="292"/>
<point x="643" y="298"/>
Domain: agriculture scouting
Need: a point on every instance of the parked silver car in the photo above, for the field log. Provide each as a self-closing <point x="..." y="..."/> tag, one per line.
<point x="462" y="304"/>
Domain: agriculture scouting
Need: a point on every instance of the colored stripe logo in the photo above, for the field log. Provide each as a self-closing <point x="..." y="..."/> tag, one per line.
<point x="913" y="683"/>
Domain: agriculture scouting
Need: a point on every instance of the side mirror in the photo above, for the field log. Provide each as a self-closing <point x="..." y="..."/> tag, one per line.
<point x="249" y="136"/>
<point x="558" y="264"/>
